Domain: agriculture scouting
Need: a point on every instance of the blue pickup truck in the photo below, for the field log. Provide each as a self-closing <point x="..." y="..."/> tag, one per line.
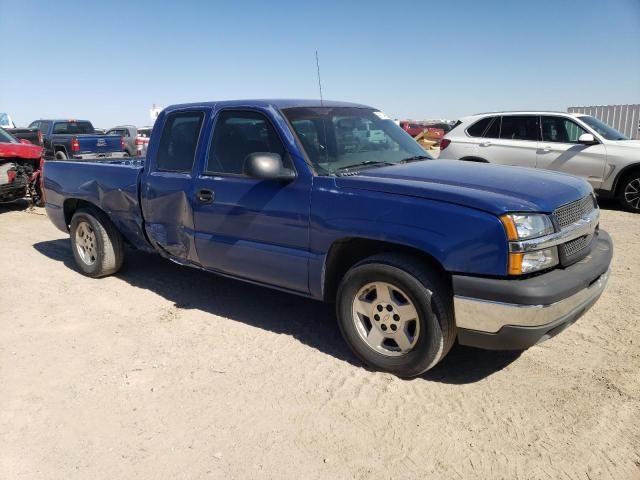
<point x="76" y="140"/>
<point x="333" y="201"/>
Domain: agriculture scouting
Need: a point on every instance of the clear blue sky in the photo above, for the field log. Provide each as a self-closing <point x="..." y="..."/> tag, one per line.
<point x="108" y="61"/>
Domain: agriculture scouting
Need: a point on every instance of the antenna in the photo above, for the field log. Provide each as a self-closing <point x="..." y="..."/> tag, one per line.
<point x="319" y="81"/>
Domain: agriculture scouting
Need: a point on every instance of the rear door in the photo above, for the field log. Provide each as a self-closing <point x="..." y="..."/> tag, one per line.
<point x="513" y="141"/>
<point x="168" y="183"/>
<point x="561" y="151"/>
<point x="249" y="228"/>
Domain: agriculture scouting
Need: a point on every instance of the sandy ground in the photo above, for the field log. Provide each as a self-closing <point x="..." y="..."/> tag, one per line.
<point x="164" y="372"/>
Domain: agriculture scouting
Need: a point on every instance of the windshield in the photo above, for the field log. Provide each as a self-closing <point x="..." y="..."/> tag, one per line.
<point x="602" y="128"/>
<point x="6" y="138"/>
<point x="341" y="138"/>
<point x="5" y="121"/>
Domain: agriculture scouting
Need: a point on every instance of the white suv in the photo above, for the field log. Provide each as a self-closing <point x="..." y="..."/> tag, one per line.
<point x="573" y="143"/>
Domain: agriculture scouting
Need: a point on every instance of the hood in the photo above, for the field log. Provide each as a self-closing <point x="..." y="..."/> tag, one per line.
<point x="20" y="150"/>
<point x="493" y="188"/>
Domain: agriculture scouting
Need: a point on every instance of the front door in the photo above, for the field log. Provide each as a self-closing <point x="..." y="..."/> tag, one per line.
<point x="561" y="151"/>
<point x="249" y="228"/>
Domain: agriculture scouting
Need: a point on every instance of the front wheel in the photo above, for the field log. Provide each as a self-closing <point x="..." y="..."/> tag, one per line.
<point x="396" y="315"/>
<point x="630" y="193"/>
<point x="96" y="243"/>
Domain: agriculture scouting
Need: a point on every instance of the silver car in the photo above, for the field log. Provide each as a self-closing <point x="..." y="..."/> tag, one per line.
<point x="566" y="142"/>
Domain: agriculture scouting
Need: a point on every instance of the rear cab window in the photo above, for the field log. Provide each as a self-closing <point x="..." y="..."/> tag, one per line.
<point x="73" y="127"/>
<point x="179" y="141"/>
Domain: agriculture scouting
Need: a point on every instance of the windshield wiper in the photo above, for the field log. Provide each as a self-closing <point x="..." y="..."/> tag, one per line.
<point x="415" y="158"/>
<point x="346" y="168"/>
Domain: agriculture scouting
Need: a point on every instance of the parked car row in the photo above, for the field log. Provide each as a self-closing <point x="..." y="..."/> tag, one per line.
<point x="23" y="150"/>
<point x="577" y="144"/>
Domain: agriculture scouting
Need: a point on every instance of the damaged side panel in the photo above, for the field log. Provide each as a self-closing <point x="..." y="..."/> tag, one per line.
<point x="112" y="186"/>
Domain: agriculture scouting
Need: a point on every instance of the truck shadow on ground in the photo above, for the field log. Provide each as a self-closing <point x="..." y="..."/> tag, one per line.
<point x="312" y="323"/>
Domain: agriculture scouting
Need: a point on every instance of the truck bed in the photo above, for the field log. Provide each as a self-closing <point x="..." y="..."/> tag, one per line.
<point x="112" y="184"/>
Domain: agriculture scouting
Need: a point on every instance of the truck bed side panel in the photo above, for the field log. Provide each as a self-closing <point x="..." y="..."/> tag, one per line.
<point x="111" y="186"/>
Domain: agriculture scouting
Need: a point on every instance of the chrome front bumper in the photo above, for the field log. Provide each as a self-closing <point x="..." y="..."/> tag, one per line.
<point x="490" y="316"/>
<point x="514" y="314"/>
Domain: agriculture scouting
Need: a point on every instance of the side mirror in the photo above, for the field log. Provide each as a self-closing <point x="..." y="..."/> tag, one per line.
<point x="587" y="139"/>
<point x="25" y="141"/>
<point x="266" y="166"/>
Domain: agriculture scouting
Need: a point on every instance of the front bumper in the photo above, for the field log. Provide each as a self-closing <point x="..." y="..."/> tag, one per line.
<point x="516" y="314"/>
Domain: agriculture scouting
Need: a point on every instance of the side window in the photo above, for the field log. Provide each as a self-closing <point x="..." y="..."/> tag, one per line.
<point x="44" y="126"/>
<point x="519" y="127"/>
<point x="236" y="135"/>
<point x="35" y="124"/>
<point x="562" y="130"/>
<point x="494" y="129"/>
<point x="478" y="128"/>
<point x="179" y="140"/>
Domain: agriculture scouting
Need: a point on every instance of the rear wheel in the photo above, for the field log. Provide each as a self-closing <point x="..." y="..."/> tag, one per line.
<point x="396" y="315"/>
<point x="96" y="243"/>
<point x="630" y="192"/>
<point x="60" y="155"/>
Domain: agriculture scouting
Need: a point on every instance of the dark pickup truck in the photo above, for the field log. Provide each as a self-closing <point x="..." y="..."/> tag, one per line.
<point x="289" y="194"/>
<point x="76" y="140"/>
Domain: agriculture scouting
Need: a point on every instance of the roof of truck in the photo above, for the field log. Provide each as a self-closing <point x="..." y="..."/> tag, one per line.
<point x="277" y="103"/>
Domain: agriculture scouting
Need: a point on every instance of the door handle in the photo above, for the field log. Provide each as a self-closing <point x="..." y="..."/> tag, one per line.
<point x="205" y="196"/>
<point x="546" y="148"/>
<point x="485" y="144"/>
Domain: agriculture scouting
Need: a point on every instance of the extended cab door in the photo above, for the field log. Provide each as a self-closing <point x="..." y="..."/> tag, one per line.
<point x="561" y="151"/>
<point x="513" y="141"/>
<point x="168" y="182"/>
<point x="250" y="228"/>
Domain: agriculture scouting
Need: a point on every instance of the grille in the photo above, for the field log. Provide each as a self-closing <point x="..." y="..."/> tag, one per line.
<point x="575" y="246"/>
<point x="572" y="212"/>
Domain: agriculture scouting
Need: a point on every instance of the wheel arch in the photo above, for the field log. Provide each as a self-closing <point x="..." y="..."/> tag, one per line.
<point x="60" y="148"/>
<point x="622" y="175"/>
<point x="71" y="205"/>
<point x="344" y="253"/>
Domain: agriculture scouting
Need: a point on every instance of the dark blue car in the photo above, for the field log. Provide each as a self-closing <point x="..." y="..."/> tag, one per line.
<point x="335" y="202"/>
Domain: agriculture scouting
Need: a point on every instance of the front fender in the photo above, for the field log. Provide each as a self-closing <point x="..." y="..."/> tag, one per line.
<point x="462" y="239"/>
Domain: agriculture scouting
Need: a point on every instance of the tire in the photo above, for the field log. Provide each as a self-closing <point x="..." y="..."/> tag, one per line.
<point x="423" y="341"/>
<point x="629" y="194"/>
<point x="97" y="245"/>
<point x="60" y="155"/>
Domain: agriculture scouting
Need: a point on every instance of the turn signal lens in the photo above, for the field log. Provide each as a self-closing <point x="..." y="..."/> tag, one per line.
<point x="509" y="228"/>
<point x="522" y="263"/>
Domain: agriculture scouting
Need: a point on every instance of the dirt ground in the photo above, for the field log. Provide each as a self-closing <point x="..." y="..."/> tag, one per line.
<point x="164" y="372"/>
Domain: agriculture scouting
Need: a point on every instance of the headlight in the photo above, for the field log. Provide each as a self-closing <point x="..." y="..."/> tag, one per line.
<point x="523" y="226"/>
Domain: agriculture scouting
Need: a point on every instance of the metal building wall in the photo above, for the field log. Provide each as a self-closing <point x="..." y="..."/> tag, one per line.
<point x="625" y="118"/>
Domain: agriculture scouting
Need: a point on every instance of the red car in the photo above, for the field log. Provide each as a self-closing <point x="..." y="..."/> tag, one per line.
<point x="414" y="129"/>
<point x="20" y="167"/>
